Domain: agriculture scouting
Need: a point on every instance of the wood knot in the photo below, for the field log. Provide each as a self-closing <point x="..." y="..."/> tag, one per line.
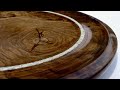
<point x="40" y="40"/>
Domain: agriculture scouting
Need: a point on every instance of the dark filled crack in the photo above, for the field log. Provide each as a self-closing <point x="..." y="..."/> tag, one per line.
<point x="40" y="35"/>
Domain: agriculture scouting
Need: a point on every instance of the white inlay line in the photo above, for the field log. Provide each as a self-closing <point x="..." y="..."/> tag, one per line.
<point x="55" y="56"/>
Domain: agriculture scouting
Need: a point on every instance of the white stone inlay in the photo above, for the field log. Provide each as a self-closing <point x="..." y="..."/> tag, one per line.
<point x="55" y="56"/>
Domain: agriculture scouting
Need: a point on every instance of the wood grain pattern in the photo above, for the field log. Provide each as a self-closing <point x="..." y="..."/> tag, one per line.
<point x="92" y="55"/>
<point x="26" y="39"/>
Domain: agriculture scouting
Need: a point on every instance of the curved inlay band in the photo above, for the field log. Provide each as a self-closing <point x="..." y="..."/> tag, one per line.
<point x="6" y="68"/>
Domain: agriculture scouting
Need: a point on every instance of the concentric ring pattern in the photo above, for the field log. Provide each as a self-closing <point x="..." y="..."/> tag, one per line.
<point x="31" y="36"/>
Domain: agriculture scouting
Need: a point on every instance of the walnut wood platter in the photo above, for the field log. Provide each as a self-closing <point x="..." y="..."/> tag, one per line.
<point x="53" y="45"/>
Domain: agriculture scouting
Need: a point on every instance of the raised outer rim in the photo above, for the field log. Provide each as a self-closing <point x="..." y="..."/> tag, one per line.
<point x="89" y="72"/>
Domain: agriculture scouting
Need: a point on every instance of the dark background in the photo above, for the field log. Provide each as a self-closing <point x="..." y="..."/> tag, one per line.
<point x="81" y="5"/>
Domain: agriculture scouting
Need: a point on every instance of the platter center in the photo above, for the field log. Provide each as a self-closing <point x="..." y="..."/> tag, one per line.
<point x="32" y="38"/>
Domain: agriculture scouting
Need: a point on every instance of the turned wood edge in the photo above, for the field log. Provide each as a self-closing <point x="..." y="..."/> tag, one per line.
<point x="103" y="60"/>
<point x="99" y="73"/>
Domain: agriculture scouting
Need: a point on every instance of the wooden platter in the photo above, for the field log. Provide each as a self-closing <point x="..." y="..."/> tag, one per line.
<point x="53" y="45"/>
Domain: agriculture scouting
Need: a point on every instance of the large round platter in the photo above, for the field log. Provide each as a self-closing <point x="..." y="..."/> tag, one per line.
<point x="53" y="45"/>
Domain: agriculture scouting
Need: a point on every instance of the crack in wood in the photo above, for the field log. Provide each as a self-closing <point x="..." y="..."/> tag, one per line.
<point x="40" y="35"/>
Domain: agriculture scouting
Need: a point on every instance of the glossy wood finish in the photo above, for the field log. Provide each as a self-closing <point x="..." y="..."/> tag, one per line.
<point x="94" y="52"/>
<point x="27" y="38"/>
